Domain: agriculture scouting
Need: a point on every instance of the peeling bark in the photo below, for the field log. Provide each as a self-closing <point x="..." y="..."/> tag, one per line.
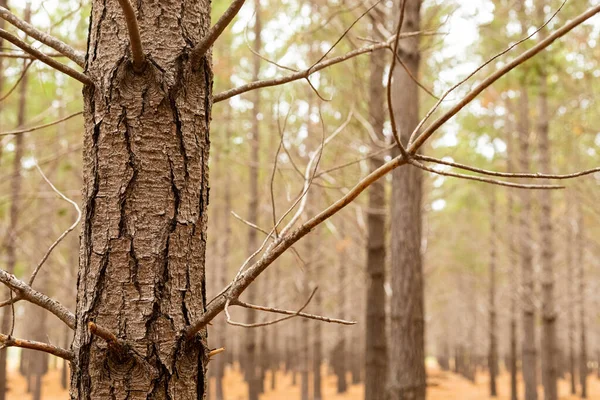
<point x="145" y="195"/>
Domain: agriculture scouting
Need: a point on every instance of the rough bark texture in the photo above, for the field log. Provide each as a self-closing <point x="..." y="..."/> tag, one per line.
<point x="493" y="350"/>
<point x="13" y="224"/>
<point x="549" y="314"/>
<point x="375" y="347"/>
<point x="407" y="347"/>
<point x="251" y="368"/>
<point x="145" y="195"/>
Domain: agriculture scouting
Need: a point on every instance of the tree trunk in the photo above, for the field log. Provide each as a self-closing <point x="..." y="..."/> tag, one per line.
<point x="570" y="266"/>
<point x="251" y="367"/>
<point x="339" y="353"/>
<point x="583" y="370"/>
<point x="549" y="349"/>
<point x="493" y="351"/>
<point x="317" y="330"/>
<point x="407" y="349"/>
<point x="13" y="224"/>
<point x="512" y="258"/>
<point x="304" y="328"/>
<point x="529" y="362"/>
<point x="145" y="195"/>
<point x="376" y="349"/>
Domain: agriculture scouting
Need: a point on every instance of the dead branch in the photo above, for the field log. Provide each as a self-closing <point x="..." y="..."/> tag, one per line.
<point x="215" y="31"/>
<point x="535" y="175"/>
<point x="35" y="128"/>
<point x="40" y="36"/>
<point x="135" y="40"/>
<point x="45" y="59"/>
<point x="26" y="292"/>
<point x="480" y="179"/>
<point x="12" y="89"/>
<point x="421" y="138"/>
<point x="9" y="341"/>
<point x="64" y="234"/>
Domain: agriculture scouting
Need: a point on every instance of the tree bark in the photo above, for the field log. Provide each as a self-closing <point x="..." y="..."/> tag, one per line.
<point x="15" y="206"/>
<point x="407" y="349"/>
<point x="145" y="195"/>
<point x="493" y="350"/>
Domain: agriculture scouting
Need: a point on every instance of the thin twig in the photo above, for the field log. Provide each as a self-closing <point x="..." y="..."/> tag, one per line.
<point x="45" y="59"/>
<point x="250" y="224"/>
<point x="135" y="40"/>
<point x="27" y="56"/>
<point x="215" y="31"/>
<point x="64" y="234"/>
<point x="484" y="180"/>
<point x="9" y="341"/>
<point x="414" y="146"/>
<point x="46" y="39"/>
<point x="12" y="89"/>
<point x="535" y="175"/>
<point x="35" y="128"/>
<point x="25" y="292"/>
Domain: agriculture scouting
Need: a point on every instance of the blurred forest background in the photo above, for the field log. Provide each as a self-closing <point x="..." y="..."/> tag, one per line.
<point x="475" y="238"/>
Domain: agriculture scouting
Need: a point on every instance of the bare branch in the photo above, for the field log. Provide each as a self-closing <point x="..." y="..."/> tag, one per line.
<point x="293" y="313"/>
<point x="64" y="234"/>
<point x="25" y="292"/>
<point x="535" y="175"/>
<point x="135" y="40"/>
<point x="9" y="341"/>
<point x="214" y="352"/>
<point x="45" y="59"/>
<point x="215" y="31"/>
<point x="497" y="75"/>
<point x="250" y="224"/>
<point x="46" y="39"/>
<point x="35" y="128"/>
<point x="484" y="180"/>
<point x="27" y="56"/>
<point x="12" y="89"/>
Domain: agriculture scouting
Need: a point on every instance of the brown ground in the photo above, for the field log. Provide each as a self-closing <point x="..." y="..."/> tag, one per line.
<point x="442" y="386"/>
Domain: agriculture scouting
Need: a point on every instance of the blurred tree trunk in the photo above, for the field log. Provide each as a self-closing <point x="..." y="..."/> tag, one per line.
<point x="407" y="350"/>
<point x="529" y="356"/>
<point x="583" y="370"/>
<point x="304" y="324"/>
<point x="549" y="315"/>
<point x="317" y="334"/>
<point x="14" y="214"/>
<point x="375" y="349"/>
<point x="252" y="367"/>
<point x="570" y="282"/>
<point x="493" y="329"/>
<point x="512" y="254"/>
<point x="145" y="193"/>
<point x="339" y="351"/>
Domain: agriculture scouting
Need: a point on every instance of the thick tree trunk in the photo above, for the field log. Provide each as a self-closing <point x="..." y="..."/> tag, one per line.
<point x="549" y="315"/>
<point x="13" y="224"/>
<point x="145" y="195"/>
<point x="583" y="369"/>
<point x="493" y="341"/>
<point x="407" y="349"/>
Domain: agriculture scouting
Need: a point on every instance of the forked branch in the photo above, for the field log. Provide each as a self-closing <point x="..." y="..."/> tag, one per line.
<point x="9" y="341"/>
<point x="26" y="292"/>
<point x="46" y="39"/>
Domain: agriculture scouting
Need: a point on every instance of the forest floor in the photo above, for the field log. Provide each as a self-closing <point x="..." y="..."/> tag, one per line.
<point x="442" y="386"/>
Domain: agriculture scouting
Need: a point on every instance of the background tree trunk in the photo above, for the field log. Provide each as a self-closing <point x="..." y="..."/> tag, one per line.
<point x="145" y="195"/>
<point x="376" y="349"/>
<point x="407" y="349"/>
<point x="493" y="350"/>
<point x="15" y="205"/>
<point x="583" y="369"/>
